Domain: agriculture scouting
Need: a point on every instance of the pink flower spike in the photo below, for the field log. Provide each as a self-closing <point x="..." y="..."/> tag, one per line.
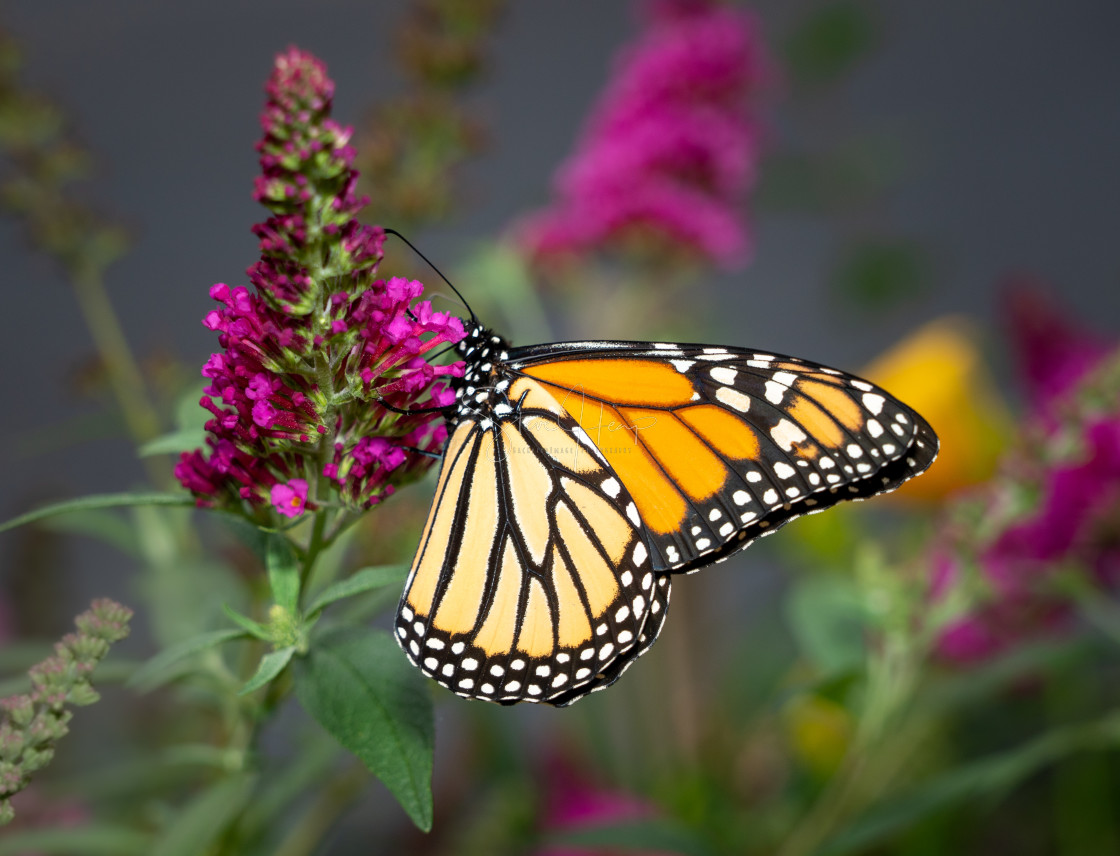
<point x="290" y="499"/>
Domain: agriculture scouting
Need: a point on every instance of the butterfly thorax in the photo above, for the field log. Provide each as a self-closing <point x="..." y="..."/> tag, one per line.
<point x="476" y="395"/>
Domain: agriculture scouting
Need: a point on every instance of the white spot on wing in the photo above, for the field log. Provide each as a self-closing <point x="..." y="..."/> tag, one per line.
<point x="733" y="398"/>
<point x="786" y="434"/>
<point x="724" y="375"/>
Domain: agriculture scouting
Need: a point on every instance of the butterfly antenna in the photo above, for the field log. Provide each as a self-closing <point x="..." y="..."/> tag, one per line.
<point x="474" y="318"/>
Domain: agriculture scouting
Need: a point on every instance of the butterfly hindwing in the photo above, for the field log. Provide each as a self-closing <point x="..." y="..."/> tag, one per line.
<point x="533" y="580"/>
<point x="719" y="446"/>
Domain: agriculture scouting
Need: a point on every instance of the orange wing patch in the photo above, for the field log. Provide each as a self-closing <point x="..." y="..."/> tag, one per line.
<point x="660" y="504"/>
<point x="688" y="462"/>
<point x="618" y="381"/>
<point x="835" y="401"/>
<point x="730" y="434"/>
<point x="818" y="423"/>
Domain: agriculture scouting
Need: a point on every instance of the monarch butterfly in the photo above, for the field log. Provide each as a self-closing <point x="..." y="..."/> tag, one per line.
<point x="578" y="477"/>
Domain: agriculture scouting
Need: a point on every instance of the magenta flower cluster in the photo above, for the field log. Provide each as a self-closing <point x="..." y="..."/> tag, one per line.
<point x="318" y="342"/>
<point x="671" y="148"/>
<point x="1068" y="475"/>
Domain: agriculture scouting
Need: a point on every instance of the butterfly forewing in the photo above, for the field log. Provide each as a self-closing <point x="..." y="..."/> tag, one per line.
<point x="533" y="580"/>
<point x="718" y="446"/>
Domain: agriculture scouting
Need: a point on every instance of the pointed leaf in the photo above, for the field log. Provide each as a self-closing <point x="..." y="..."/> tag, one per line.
<point x="87" y="840"/>
<point x="358" y="582"/>
<point x="359" y="687"/>
<point x="173" y="443"/>
<point x="827" y="618"/>
<point x="246" y="623"/>
<point x="194" y="829"/>
<point x="989" y="776"/>
<point x="283" y="572"/>
<point x="101" y="500"/>
<point x="105" y="526"/>
<point x="272" y="664"/>
<point x="640" y="836"/>
<point x="156" y="671"/>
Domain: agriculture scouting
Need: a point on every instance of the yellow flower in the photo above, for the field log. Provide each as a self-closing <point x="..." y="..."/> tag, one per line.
<point x="819" y="731"/>
<point x="940" y="372"/>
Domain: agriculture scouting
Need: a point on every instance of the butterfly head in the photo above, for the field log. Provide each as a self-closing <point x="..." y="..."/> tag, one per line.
<point x="481" y="350"/>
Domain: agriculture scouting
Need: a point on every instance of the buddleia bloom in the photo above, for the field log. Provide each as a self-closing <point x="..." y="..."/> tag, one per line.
<point x="1054" y="512"/>
<point x="314" y="346"/>
<point x="671" y="148"/>
<point x="31" y="724"/>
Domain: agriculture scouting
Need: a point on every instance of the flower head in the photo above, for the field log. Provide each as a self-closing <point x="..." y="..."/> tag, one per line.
<point x="670" y="150"/>
<point x="314" y="347"/>
<point x="1054" y="510"/>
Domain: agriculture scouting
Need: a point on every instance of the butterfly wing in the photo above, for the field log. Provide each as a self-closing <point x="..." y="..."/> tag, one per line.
<point x="719" y="446"/>
<point x="532" y="581"/>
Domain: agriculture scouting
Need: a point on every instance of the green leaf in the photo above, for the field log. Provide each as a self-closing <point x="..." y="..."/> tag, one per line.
<point x="196" y="827"/>
<point x="105" y="526"/>
<point x="656" y="835"/>
<point x="827" y="618"/>
<point x="294" y="777"/>
<point x="283" y="572"/>
<point x="102" y="500"/>
<point x="989" y="776"/>
<point x="251" y="536"/>
<point x="247" y="624"/>
<point x="880" y="274"/>
<point x="358" y="685"/>
<point x="173" y="443"/>
<point x="830" y="41"/>
<point x="358" y="582"/>
<point x="190" y="427"/>
<point x="157" y="670"/>
<point x="271" y="665"/>
<point x="88" y="840"/>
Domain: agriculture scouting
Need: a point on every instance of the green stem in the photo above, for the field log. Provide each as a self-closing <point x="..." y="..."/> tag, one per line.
<point x="305" y="837"/>
<point x="124" y="374"/>
<point x="878" y="751"/>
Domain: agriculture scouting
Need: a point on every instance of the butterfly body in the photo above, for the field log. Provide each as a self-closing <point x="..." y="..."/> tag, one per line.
<point x="580" y="476"/>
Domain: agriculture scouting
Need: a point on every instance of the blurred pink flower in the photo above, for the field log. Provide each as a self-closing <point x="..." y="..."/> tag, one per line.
<point x="1053" y="353"/>
<point x="671" y="148"/>
<point x="1074" y="473"/>
<point x="572" y="804"/>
